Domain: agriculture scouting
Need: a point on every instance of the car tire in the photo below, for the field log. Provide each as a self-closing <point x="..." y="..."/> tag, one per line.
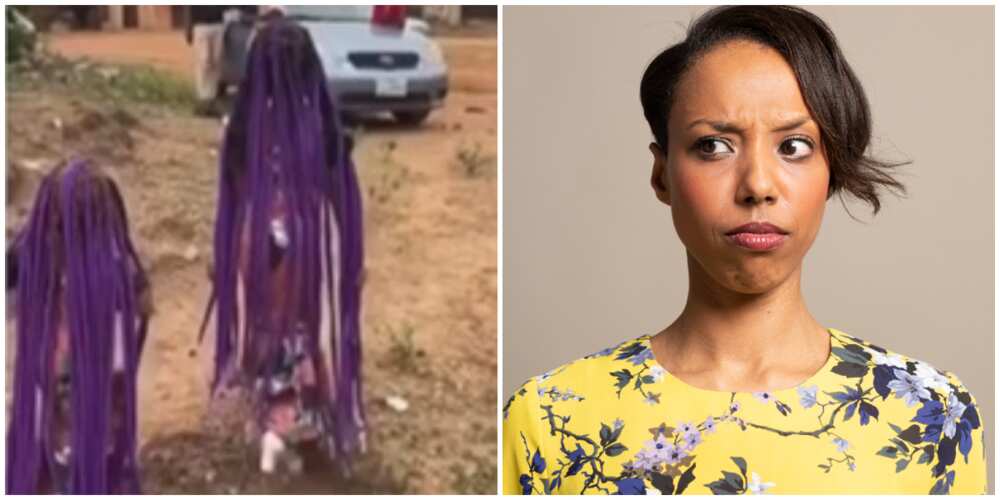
<point x="411" y="117"/>
<point x="350" y="119"/>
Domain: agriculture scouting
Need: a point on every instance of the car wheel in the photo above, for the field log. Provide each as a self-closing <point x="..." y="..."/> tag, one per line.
<point x="411" y="117"/>
<point x="349" y="119"/>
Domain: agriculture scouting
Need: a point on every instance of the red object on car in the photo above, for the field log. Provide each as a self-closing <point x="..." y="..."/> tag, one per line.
<point x="389" y="16"/>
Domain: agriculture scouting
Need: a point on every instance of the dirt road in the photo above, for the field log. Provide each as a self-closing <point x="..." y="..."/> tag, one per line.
<point x="430" y="299"/>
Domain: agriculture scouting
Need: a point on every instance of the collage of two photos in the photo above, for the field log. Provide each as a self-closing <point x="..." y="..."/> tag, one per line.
<point x="500" y="249"/>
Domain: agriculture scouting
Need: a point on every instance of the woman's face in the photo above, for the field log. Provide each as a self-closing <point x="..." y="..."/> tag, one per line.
<point x="743" y="148"/>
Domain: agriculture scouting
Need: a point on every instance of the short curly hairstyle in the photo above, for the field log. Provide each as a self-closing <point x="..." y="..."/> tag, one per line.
<point x="831" y="91"/>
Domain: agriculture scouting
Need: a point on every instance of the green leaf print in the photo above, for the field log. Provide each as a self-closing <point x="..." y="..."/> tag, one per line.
<point x="850" y="356"/>
<point x="685" y="479"/>
<point x="926" y="455"/>
<point x="741" y="463"/>
<point x="615" y="450"/>
<point x="911" y="434"/>
<point x="624" y="377"/>
<point x="663" y="483"/>
<point x="887" y="451"/>
<point x="849" y="369"/>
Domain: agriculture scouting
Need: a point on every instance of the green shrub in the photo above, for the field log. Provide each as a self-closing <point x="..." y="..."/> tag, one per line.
<point x="21" y="36"/>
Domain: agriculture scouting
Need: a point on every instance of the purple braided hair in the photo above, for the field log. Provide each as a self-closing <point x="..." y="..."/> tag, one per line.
<point x="76" y="252"/>
<point x="285" y="136"/>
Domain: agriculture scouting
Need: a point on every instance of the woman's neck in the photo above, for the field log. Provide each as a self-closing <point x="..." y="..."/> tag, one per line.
<point x="726" y="340"/>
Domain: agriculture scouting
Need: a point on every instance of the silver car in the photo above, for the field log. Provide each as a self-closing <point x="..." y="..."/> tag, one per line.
<point x="368" y="68"/>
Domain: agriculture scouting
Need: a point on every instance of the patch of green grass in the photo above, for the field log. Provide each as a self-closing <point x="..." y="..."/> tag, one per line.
<point x="121" y="84"/>
<point x="403" y="351"/>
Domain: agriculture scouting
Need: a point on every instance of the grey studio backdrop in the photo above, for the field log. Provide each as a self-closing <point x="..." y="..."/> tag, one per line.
<point x="591" y="258"/>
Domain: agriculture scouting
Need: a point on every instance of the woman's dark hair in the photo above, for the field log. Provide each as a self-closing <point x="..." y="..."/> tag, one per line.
<point x="831" y="91"/>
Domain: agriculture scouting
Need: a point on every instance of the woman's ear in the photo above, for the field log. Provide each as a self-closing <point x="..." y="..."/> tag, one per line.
<point x="661" y="185"/>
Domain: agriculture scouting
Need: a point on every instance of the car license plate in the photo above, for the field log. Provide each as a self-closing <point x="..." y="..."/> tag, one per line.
<point x="390" y="86"/>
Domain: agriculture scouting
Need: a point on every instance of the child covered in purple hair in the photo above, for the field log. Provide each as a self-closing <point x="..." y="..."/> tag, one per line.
<point x="82" y="310"/>
<point x="288" y="255"/>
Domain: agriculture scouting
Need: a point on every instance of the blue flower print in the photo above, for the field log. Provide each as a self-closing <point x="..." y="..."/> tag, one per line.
<point x="630" y="486"/>
<point x="525" y="484"/>
<point x="641" y="357"/>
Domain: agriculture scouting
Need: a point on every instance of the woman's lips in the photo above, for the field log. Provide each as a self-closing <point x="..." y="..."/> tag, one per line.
<point x="758" y="236"/>
<point x="757" y="241"/>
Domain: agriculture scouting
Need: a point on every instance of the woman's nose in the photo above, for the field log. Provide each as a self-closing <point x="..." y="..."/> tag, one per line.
<point x="757" y="177"/>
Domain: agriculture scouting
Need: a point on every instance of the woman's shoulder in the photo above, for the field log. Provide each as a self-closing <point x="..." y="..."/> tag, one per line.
<point x="851" y="349"/>
<point x="934" y="398"/>
<point x="903" y="376"/>
<point x="571" y="381"/>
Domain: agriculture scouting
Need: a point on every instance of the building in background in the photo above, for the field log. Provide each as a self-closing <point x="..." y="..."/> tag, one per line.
<point x="172" y="17"/>
<point x="148" y="17"/>
<point x="105" y="17"/>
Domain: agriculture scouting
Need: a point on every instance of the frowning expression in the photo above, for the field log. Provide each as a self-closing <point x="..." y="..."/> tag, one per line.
<point x="744" y="170"/>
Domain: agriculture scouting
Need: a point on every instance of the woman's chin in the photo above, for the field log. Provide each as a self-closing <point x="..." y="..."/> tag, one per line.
<point x="753" y="280"/>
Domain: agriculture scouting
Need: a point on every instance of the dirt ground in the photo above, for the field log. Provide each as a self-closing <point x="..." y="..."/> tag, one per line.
<point x="429" y="314"/>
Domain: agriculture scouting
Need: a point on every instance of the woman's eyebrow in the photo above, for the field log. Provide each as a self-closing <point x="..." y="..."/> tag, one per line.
<point x="719" y="126"/>
<point x="793" y="124"/>
<point x="729" y="127"/>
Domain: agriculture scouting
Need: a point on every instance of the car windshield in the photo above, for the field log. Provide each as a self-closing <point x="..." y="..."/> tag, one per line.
<point x="358" y="13"/>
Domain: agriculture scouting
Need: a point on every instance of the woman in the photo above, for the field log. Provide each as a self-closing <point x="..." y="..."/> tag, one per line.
<point x="288" y="255"/>
<point x="82" y="310"/>
<point x="758" y="120"/>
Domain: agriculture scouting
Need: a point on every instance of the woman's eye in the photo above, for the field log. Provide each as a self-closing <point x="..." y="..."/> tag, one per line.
<point x="713" y="147"/>
<point x="796" y="148"/>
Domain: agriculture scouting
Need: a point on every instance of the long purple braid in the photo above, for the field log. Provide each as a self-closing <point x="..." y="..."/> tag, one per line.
<point x="77" y="232"/>
<point x="285" y="134"/>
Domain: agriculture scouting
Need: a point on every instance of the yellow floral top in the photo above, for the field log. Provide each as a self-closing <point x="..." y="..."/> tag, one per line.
<point x="870" y="421"/>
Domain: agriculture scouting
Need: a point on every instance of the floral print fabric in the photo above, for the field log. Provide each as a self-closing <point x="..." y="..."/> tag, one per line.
<point x="870" y="421"/>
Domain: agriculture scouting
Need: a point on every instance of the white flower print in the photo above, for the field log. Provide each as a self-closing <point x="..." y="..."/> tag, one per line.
<point x="675" y="454"/>
<point x="909" y="387"/>
<point x="692" y="439"/>
<point x="659" y="447"/>
<point x="931" y="378"/>
<point x="756" y="487"/>
<point x="807" y="396"/>
<point x="763" y="397"/>
<point x="842" y="444"/>
<point x="684" y="428"/>
<point x="955" y="410"/>
<point x="657" y="373"/>
<point x="709" y="425"/>
<point x="888" y="359"/>
<point x="645" y="460"/>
